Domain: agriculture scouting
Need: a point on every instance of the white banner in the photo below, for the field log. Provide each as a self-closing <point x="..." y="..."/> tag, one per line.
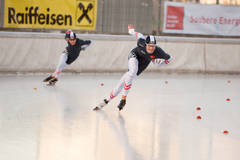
<point x="201" y="19"/>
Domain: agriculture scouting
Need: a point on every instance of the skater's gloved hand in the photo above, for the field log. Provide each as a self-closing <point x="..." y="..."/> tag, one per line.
<point x="130" y="26"/>
<point x="132" y="32"/>
<point x="67" y="35"/>
<point x="88" y="42"/>
<point x="157" y="61"/>
<point x="160" y="62"/>
<point x="166" y="61"/>
<point x="131" y="29"/>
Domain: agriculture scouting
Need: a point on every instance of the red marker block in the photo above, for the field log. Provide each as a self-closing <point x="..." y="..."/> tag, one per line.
<point x="225" y="132"/>
<point x="228" y="99"/>
<point x="199" y="117"/>
<point x="198" y="108"/>
<point x="229" y="81"/>
<point x="166" y="82"/>
<point x="102" y="84"/>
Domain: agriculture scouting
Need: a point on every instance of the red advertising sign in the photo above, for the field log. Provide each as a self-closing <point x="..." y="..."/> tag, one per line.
<point x="188" y="18"/>
<point x="175" y="16"/>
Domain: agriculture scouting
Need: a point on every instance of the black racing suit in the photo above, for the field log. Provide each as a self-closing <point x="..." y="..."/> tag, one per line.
<point x="145" y="58"/>
<point x="73" y="51"/>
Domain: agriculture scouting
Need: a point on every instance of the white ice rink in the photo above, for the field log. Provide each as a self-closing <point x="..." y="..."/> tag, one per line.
<point x="158" y="123"/>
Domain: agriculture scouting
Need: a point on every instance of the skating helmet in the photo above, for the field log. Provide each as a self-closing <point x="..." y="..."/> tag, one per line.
<point x="70" y="34"/>
<point x="150" y="39"/>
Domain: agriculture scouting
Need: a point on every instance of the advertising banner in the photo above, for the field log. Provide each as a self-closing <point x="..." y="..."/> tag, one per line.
<point x="52" y="14"/>
<point x="200" y="19"/>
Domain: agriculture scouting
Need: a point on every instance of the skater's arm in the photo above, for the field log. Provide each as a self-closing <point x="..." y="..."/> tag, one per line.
<point x="67" y="35"/>
<point x="132" y="32"/>
<point x="85" y="44"/>
<point x="160" y="62"/>
<point x="162" y="58"/>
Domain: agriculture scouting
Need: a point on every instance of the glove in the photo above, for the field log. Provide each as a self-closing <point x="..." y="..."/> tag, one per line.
<point x="67" y="35"/>
<point x="157" y="61"/>
<point x="131" y="29"/>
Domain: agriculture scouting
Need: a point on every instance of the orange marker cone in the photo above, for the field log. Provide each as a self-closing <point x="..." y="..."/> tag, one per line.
<point x="198" y="108"/>
<point x="199" y="117"/>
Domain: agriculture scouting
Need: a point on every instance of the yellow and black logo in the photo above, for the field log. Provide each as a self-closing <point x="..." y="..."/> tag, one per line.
<point x="62" y="14"/>
<point x="85" y="13"/>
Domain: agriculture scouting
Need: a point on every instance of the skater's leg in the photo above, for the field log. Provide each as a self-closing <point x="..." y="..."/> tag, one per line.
<point x="125" y="82"/>
<point x="61" y="65"/>
<point x="113" y="93"/>
<point x="118" y="88"/>
<point x="52" y="79"/>
<point x="130" y="76"/>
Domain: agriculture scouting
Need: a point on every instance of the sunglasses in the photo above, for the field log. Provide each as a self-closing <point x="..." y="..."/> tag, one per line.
<point x="72" y="39"/>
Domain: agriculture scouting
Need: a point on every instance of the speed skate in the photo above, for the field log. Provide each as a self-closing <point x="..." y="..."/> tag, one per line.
<point x="51" y="80"/>
<point x="101" y="105"/>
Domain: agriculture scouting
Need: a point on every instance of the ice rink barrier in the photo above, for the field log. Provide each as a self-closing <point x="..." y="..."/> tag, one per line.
<point x="40" y="52"/>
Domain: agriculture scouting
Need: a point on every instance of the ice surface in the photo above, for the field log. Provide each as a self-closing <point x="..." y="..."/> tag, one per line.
<point x="158" y="122"/>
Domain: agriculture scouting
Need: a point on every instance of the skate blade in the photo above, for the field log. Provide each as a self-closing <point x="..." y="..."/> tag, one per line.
<point x="120" y="108"/>
<point x="47" y="79"/>
<point x="51" y="84"/>
<point x="96" y="108"/>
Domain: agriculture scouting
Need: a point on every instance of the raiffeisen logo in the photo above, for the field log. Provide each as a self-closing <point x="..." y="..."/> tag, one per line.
<point x="33" y="15"/>
<point x="54" y="14"/>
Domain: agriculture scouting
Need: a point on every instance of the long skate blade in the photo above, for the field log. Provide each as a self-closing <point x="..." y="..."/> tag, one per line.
<point x="120" y="108"/>
<point x="96" y="108"/>
<point x="51" y="84"/>
<point x="48" y="79"/>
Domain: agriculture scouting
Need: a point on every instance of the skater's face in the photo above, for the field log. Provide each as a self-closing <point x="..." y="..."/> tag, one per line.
<point x="150" y="48"/>
<point x="72" y="41"/>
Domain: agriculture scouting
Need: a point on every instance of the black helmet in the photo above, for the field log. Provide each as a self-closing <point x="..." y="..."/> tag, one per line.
<point x="70" y="34"/>
<point x="150" y="40"/>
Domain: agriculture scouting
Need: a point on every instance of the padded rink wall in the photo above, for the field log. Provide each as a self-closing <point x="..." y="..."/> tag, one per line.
<point x="40" y="52"/>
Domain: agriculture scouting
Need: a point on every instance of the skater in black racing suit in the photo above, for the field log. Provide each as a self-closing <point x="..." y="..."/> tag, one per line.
<point x="138" y="60"/>
<point x="75" y="45"/>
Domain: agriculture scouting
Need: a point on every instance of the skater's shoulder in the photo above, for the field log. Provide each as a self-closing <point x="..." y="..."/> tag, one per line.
<point x="158" y="49"/>
<point x="135" y="50"/>
<point x="138" y="49"/>
<point x="79" y="40"/>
